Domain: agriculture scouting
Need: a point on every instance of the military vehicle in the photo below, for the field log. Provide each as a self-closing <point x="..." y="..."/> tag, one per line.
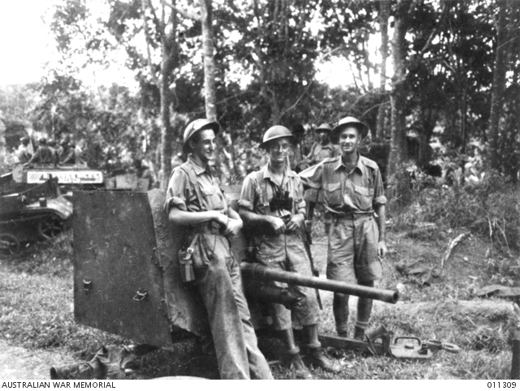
<point x="30" y="212"/>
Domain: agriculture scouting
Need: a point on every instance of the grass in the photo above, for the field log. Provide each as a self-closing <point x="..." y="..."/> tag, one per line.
<point x="36" y="311"/>
<point x="36" y="307"/>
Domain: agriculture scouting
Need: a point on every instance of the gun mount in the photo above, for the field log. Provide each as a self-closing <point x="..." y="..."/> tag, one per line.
<point x="127" y="278"/>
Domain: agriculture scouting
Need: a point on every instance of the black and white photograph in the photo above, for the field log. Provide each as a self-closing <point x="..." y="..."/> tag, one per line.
<point x="201" y="190"/>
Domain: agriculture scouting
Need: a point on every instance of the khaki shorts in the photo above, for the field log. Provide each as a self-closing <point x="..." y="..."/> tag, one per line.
<point x="352" y="253"/>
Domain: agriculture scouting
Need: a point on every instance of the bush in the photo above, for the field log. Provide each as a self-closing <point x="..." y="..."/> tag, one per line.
<point x="490" y="207"/>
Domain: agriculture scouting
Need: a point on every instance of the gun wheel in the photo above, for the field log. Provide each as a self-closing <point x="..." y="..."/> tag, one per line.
<point x="9" y="244"/>
<point x="49" y="227"/>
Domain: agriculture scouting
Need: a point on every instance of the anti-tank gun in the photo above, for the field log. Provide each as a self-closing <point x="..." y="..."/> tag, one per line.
<point x="127" y="278"/>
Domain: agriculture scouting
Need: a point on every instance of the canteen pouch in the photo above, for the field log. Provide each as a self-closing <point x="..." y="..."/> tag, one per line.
<point x="186" y="262"/>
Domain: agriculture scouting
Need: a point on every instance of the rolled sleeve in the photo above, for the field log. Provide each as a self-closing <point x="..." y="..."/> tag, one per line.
<point x="178" y="191"/>
<point x="312" y="176"/>
<point x="247" y="195"/>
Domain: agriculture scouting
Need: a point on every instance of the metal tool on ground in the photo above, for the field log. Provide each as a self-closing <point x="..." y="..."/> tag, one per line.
<point x="380" y="342"/>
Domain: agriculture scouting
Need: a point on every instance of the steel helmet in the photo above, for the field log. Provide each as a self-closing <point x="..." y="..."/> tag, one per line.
<point x="199" y="124"/>
<point x="324" y="127"/>
<point x="275" y="132"/>
<point x="361" y="127"/>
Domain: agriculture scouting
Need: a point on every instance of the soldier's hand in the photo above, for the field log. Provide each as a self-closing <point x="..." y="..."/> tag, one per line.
<point x="277" y="224"/>
<point x="220" y="218"/>
<point x="295" y="222"/>
<point x="233" y="227"/>
<point x="381" y="249"/>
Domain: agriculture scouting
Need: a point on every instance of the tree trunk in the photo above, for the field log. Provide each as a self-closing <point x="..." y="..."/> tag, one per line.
<point x="169" y="59"/>
<point x="398" y="188"/>
<point x="2" y="147"/>
<point x="210" y="94"/>
<point x="425" y="150"/>
<point x="209" y="61"/>
<point x="498" y="85"/>
<point x="384" y="13"/>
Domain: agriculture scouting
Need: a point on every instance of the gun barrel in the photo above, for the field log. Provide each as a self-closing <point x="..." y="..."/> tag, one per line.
<point x="256" y="271"/>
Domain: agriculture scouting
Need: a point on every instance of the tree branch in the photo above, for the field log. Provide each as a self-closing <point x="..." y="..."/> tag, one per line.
<point x="297" y="100"/>
<point x="182" y="12"/>
<point x="144" y="3"/>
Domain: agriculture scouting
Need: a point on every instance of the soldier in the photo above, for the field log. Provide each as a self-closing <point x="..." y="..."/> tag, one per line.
<point x="320" y="150"/>
<point x="352" y="192"/>
<point x="324" y="148"/>
<point x="273" y="209"/>
<point x="297" y="159"/>
<point x="143" y="172"/>
<point x="44" y="155"/>
<point x="23" y="153"/>
<point x="194" y="200"/>
<point x="68" y="153"/>
<point x="52" y="145"/>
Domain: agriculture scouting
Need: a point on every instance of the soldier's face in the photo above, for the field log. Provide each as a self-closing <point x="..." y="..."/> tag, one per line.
<point x="204" y="148"/>
<point x="279" y="149"/>
<point x="324" y="137"/>
<point x="349" y="139"/>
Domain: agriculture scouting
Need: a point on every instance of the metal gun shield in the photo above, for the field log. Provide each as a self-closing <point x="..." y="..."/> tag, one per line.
<point x="118" y="285"/>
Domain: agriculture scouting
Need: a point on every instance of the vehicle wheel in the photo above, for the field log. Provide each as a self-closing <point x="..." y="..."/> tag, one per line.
<point x="9" y="244"/>
<point x="49" y="226"/>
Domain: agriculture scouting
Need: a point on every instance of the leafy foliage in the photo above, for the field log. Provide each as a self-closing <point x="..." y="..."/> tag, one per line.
<point x="489" y="208"/>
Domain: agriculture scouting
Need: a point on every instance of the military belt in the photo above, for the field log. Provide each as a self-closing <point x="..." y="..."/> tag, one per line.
<point x="353" y="216"/>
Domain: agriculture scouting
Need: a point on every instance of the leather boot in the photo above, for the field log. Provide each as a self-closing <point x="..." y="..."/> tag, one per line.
<point x="294" y="361"/>
<point x="316" y="355"/>
<point x="318" y="359"/>
<point x="296" y="365"/>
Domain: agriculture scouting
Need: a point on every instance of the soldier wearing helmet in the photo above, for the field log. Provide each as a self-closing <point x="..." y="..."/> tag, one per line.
<point x="323" y="148"/>
<point x="353" y="193"/>
<point x="195" y="201"/>
<point x="272" y="207"/>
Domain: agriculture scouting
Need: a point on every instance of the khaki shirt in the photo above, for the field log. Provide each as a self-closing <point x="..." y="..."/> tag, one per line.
<point x="319" y="152"/>
<point x="252" y="195"/>
<point x="358" y="191"/>
<point x="274" y="248"/>
<point x="182" y="194"/>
